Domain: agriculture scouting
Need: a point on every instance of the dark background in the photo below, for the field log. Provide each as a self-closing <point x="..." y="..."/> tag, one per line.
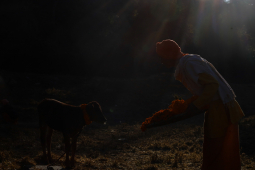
<point x="116" y="38"/>
<point x="77" y="51"/>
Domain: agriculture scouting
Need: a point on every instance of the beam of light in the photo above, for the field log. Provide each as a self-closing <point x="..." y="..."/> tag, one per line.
<point x="125" y="8"/>
<point x="161" y="29"/>
<point x="215" y="17"/>
<point x="165" y="13"/>
<point x="201" y="22"/>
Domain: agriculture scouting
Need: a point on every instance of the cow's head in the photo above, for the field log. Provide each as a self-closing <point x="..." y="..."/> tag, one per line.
<point x="95" y="112"/>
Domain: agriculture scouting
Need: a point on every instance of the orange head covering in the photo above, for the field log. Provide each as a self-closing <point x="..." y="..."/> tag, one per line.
<point x="168" y="49"/>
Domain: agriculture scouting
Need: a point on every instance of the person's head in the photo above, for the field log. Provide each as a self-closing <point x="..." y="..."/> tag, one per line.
<point x="169" y="52"/>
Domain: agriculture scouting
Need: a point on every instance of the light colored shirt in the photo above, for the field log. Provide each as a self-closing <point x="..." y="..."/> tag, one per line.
<point x="188" y="70"/>
<point x="216" y="118"/>
<point x="202" y="79"/>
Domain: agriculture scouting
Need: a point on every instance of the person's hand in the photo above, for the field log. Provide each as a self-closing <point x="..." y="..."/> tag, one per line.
<point x="191" y="111"/>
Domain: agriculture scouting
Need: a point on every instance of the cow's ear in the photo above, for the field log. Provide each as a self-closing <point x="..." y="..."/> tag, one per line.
<point x="96" y="105"/>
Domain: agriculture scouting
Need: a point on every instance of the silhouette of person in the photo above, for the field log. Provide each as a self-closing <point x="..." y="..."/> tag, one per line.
<point x="221" y="130"/>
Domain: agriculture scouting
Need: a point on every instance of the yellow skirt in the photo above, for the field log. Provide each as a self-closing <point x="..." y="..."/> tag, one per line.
<point x="222" y="153"/>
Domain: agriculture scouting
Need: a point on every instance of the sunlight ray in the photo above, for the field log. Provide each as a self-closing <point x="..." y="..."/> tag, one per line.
<point x="125" y="8"/>
<point x="161" y="29"/>
<point x="227" y="1"/>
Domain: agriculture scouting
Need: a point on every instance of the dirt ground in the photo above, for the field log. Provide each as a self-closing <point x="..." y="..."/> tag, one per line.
<point x="120" y="144"/>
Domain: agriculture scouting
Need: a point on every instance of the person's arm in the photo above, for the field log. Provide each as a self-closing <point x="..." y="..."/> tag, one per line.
<point x="191" y="111"/>
<point x="210" y="88"/>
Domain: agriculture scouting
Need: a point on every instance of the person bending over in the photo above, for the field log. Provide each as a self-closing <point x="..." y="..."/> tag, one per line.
<point x="221" y="130"/>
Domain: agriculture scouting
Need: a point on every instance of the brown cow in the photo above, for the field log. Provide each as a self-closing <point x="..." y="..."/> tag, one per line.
<point x="67" y="119"/>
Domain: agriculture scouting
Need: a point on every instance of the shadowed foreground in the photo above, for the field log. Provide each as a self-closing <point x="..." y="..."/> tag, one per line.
<point x="120" y="144"/>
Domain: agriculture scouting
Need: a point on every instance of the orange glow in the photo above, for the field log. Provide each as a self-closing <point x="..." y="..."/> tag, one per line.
<point x="85" y="114"/>
<point x="177" y="106"/>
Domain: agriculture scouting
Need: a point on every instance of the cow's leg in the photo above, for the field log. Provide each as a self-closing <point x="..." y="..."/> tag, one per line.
<point x="49" y="135"/>
<point x="67" y="149"/>
<point x="43" y="130"/>
<point x="74" y="144"/>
